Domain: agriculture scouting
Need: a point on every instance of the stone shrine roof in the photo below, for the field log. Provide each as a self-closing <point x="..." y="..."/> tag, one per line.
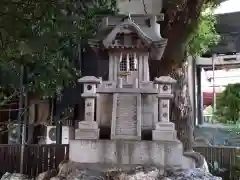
<point x="144" y="26"/>
<point x="147" y="34"/>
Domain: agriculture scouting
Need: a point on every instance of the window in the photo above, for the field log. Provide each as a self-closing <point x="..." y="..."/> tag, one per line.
<point x="132" y="62"/>
<point x="123" y="62"/>
<point x="128" y="62"/>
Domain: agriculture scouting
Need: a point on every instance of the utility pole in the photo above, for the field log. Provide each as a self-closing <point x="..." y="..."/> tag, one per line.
<point x="57" y="119"/>
<point x="214" y="57"/>
<point x="20" y="103"/>
<point x="23" y="113"/>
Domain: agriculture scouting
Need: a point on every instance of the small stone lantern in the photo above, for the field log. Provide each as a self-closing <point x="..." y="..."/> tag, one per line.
<point x="88" y="129"/>
<point x="164" y="129"/>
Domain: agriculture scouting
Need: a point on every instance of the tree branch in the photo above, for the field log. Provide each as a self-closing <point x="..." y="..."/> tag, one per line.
<point x="179" y="26"/>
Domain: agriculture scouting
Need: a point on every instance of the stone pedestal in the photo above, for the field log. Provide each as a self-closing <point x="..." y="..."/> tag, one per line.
<point x="164" y="131"/>
<point x="87" y="130"/>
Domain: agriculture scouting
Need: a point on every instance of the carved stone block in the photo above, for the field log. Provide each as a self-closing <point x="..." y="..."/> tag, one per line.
<point x="126" y="123"/>
<point x="87" y="134"/>
<point x="87" y="130"/>
<point x="162" y="135"/>
<point x="169" y="126"/>
<point x="87" y="125"/>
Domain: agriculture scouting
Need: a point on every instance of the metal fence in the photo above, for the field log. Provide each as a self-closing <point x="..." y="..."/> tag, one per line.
<point x="224" y="156"/>
<point x="40" y="158"/>
<point x="37" y="158"/>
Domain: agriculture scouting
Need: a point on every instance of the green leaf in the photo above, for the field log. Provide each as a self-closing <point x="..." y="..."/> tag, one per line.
<point x="228" y="105"/>
<point x="205" y="36"/>
<point x="42" y="36"/>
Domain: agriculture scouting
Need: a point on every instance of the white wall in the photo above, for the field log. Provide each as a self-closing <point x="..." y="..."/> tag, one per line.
<point x="137" y="6"/>
<point x="228" y="7"/>
<point x="222" y="79"/>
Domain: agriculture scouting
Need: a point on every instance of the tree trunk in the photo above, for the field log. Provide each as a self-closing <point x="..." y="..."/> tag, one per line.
<point x="181" y="109"/>
<point x="181" y="19"/>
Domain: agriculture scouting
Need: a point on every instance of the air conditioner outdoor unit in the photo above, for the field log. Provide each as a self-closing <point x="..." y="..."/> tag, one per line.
<point x="67" y="134"/>
<point x="14" y="134"/>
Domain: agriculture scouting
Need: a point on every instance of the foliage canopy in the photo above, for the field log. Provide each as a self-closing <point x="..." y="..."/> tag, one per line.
<point x="42" y="36"/>
<point x="228" y="104"/>
<point x="205" y="36"/>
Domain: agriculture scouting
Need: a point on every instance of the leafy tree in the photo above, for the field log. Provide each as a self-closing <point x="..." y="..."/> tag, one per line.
<point x="190" y="30"/>
<point x="205" y="36"/>
<point x="228" y="105"/>
<point x="42" y="36"/>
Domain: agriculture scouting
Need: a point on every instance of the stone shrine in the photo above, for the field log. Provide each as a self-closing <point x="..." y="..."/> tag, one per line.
<point x="128" y="102"/>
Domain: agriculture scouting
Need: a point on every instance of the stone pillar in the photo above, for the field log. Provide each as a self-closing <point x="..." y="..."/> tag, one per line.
<point x="111" y="67"/>
<point x="145" y="68"/>
<point x="135" y="83"/>
<point x="120" y="82"/>
<point x="164" y="129"/>
<point x="88" y="129"/>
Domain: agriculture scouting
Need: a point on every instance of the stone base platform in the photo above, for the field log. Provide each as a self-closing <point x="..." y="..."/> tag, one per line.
<point x="122" y="153"/>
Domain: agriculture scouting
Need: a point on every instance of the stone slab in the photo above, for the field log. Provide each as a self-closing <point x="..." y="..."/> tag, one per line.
<point x="87" y="134"/>
<point x="89" y="95"/>
<point x="87" y="125"/>
<point x="165" y="126"/>
<point x="164" y="135"/>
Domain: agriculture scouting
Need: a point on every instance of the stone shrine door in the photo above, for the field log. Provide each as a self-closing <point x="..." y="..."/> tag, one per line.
<point x="126" y="116"/>
<point x="128" y="68"/>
